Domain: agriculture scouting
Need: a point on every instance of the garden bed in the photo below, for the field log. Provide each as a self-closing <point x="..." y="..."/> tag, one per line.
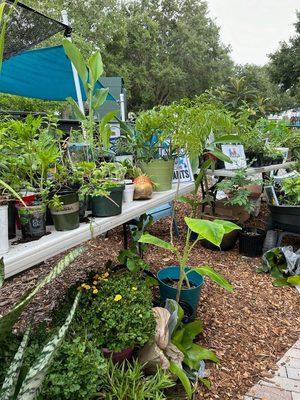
<point x="249" y="329"/>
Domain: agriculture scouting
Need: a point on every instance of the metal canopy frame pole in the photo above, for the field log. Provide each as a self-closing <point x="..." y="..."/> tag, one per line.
<point x="65" y="19"/>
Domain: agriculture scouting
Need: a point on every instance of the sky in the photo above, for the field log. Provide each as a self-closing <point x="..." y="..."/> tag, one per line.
<point x="254" y="28"/>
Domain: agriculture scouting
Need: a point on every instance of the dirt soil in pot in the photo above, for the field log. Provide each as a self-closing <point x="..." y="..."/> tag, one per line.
<point x="249" y="329"/>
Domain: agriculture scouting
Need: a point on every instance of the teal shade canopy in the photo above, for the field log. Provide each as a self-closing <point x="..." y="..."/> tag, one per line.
<point x="44" y="73"/>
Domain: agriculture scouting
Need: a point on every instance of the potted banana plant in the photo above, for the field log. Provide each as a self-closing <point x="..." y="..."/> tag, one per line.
<point x="182" y="281"/>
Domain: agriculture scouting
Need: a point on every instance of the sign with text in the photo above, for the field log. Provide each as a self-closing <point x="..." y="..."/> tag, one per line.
<point x="183" y="170"/>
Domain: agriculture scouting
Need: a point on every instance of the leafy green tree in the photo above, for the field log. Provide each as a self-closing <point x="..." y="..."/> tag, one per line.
<point x="164" y="49"/>
<point x="268" y="93"/>
<point x="285" y="64"/>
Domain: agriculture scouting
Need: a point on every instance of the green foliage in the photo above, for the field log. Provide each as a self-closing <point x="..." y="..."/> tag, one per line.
<point x="28" y="386"/>
<point x="129" y="382"/>
<point x="179" y="372"/>
<point x="116" y="311"/>
<point x="97" y="181"/>
<point x="187" y="127"/>
<point x="284" y="67"/>
<point x="236" y="187"/>
<point x="213" y="231"/>
<point x="165" y="62"/>
<point x="131" y="256"/>
<point x="274" y="262"/>
<point x="8" y="320"/>
<point x="77" y="371"/>
<point x="291" y="189"/>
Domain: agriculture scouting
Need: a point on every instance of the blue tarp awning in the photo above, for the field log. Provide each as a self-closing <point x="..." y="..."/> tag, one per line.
<point x="41" y="74"/>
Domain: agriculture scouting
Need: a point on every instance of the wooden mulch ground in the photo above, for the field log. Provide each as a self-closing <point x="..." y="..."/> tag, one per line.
<point x="249" y="329"/>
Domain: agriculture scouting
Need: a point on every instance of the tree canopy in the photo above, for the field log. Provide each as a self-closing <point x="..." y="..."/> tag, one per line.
<point x="284" y="67"/>
<point x="164" y="49"/>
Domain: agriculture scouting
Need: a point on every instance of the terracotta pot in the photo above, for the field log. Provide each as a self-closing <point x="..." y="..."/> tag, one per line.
<point x="119" y="356"/>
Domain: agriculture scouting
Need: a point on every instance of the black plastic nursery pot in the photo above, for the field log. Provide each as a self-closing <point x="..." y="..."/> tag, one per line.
<point x="33" y="221"/>
<point x="67" y="218"/>
<point x="12" y="212"/>
<point x="254" y="159"/>
<point x="108" y="206"/>
<point x="229" y="240"/>
<point x="251" y="241"/>
<point x="285" y="217"/>
<point x="169" y="275"/>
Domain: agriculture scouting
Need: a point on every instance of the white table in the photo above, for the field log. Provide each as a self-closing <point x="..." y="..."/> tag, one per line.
<point x="25" y="255"/>
<point x="229" y="173"/>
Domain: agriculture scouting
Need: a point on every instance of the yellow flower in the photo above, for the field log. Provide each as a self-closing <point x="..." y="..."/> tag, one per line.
<point x="87" y="287"/>
<point x="140" y="315"/>
<point x="96" y="276"/>
<point x="118" y="297"/>
<point x="105" y="275"/>
<point x="105" y="279"/>
<point x="134" y="288"/>
<point x="95" y="291"/>
<point x="95" y="283"/>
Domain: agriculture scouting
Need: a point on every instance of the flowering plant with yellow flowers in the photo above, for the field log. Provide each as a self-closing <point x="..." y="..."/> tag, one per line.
<point x="116" y="310"/>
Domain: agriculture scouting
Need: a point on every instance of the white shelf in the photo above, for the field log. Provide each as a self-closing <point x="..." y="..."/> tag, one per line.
<point x="250" y="171"/>
<point x="23" y="256"/>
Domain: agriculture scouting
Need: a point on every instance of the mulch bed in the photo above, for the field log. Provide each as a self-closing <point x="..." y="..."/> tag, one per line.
<point x="249" y="329"/>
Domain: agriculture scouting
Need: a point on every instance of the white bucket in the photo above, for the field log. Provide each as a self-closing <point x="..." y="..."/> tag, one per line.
<point x="4" y="244"/>
<point x="128" y="193"/>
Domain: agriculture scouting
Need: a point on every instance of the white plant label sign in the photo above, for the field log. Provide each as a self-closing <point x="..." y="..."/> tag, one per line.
<point x="237" y="155"/>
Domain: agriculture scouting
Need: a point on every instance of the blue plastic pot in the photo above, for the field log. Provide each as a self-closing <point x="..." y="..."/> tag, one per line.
<point x="190" y="296"/>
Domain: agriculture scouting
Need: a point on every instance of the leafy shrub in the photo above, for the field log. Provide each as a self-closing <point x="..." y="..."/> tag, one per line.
<point x="76" y="372"/>
<point x="129" y="382"/>
<point x="291" y="188"/>
<point x="116" y="311"/>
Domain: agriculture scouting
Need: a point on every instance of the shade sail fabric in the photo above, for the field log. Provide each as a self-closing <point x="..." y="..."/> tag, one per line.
<point x="41" y="74"/>
<point x="27" y="28"/>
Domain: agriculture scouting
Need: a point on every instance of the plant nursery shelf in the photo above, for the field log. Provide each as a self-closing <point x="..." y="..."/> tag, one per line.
<point x="25" y="255"/>
<point x="251" y="171"/>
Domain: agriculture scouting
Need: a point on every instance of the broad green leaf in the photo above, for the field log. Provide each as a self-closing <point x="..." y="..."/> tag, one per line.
<point x="280" y="282"/>
<point x="208" y="230"/>
<point x="214" y="276"/>
<point x="228" y="139"/>
<point x="220" y="155"/>
<point x="12" y="191"/>
<point x="150" y="239"/>
<point x="179" y="372"/>
<point x="11" y="378"/>
<point x="227" y="225"/>
<point x="37" y="373"/>
<point x="109" y="116"/>
<point x="95" y="67"/>
<point x="187" y="200"/>
<point x="77" y="60"/>
<point x="191" y="330"/>
<point x="132" y="265"/>
<point x="2" y="271"/>
<point x="78" y="113"/>
<point x="206" y="382"/>
<point x="196" y="353"/>
<point x="294" y="280"/>
<point x="99" y="97"/>
<point x="8" y="320"/>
